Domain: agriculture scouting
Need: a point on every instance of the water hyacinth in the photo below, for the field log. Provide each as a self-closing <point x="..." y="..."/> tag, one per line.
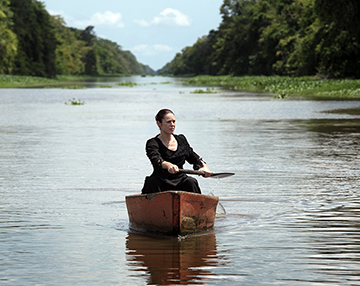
<point x="75" y="102"/>
<point x="75" y="87"/>
<point x="283" y="86"/>
<point x="208" y="90"/>
<point x="127" y="83"/>
<point x="16" y="80"/>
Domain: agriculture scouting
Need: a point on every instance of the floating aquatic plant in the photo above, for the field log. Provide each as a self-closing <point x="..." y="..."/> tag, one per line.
<point x="75" y="87"/>
<point x="127" y="83"/>
<point x="208" y="90"/>
<point x="75" y="102"/>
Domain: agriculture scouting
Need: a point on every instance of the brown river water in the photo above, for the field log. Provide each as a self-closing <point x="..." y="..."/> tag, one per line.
<point x="290" y="215"/>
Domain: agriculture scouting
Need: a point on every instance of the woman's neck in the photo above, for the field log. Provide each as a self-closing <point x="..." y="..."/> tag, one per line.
<point x="166" y="137"/>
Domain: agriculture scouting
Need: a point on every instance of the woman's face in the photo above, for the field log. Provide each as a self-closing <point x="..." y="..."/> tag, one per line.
<point x="167" y="125"/>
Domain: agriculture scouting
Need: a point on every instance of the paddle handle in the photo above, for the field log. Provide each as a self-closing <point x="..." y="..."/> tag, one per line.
<point x="193" y="172"/>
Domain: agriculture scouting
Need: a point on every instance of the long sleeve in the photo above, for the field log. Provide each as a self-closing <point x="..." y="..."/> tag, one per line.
<point x="153" y="153"/>
<point x="192" y="157"/>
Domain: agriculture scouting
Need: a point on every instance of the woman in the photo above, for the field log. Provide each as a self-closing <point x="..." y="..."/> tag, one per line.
<point x="167" y="153"/>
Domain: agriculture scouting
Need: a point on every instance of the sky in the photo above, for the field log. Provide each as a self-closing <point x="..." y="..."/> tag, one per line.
<point x="153" y="30"/>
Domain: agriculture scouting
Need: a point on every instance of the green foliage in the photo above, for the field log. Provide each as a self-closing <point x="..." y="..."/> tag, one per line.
<point x="75" y="102"/>
<point x="208" y="90"/>
<point x="36" y="39"/>
<point x="70" y="49"/>
<point x="75" y="87"/>
<point x="127" y="83"/>
<point x="283" y="37"/>
<point x="23" y="81"/>
<point x="88" y="35"/>
<point x="97" y="56"/>
<point x="339" y="46"/>
<point x="112" y="59"/>
<point x="8" y="39"/>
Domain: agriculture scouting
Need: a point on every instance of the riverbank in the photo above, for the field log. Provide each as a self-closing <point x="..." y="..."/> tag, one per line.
<point x="279" y="86"/>
<point x="15" y="81"/>
<point x="283" y="87"/>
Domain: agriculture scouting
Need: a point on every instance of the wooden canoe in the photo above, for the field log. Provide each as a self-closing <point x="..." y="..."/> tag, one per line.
<point x="171" y="212"/>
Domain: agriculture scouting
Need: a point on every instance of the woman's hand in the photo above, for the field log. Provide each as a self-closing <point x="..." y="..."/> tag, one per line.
<point x="172" y="169"/>
<point x="205" y="170"/>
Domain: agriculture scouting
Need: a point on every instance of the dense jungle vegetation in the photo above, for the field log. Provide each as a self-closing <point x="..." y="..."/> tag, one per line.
<point x="278" y="37"/>
<point x="34" y="43"/>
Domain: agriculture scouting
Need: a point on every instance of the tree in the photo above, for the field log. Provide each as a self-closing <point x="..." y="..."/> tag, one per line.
<point x="339" y="47"/>
<point x="37" y="42"/>
<point x="69" y="49"/>
<point x="344" y="13"/>
<point x="88" y="35"/>
<point x="8" y="39"/>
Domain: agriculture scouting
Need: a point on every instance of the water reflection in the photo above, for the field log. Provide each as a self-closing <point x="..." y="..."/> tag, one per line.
<point x="172" y="260"/>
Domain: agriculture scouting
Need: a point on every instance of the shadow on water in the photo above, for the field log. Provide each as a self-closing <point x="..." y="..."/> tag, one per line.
<point x="331" y="233"/>
<point x="331" y="126"/>
<point x="349" y="111"/>
<point x="336" y="151"/>
<point x="172" y="260"/>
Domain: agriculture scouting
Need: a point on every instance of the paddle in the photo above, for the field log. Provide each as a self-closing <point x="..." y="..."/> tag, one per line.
<point x="213" y="175"/>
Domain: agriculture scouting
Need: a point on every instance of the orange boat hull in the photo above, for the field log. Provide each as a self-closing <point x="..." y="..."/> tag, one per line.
<point x="172" y="212"/>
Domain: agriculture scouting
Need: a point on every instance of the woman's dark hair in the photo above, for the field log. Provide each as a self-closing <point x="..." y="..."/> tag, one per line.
<point x="161" y="114"/>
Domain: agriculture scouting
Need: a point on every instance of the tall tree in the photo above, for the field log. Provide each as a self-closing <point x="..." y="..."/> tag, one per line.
<point x="339" y="48"/>
<point x="88" y="35"/>
<point x="8" y="39"/>
<point x="69" y="49"/>
<point x="37" y="42"/>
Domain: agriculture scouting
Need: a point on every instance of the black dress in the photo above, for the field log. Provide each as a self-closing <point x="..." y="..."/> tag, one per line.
<point x="161" y="180"/>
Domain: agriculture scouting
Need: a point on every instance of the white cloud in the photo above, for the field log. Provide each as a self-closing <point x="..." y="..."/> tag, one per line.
<point x="107" y="18"/>
<point x="141" y="48"/>
<point x="142" y="23"/>
<point x="162" y="48"/>
<point x="53" y="12"/>
<point x="151" y="50"/>
<point x="170" y="17"/>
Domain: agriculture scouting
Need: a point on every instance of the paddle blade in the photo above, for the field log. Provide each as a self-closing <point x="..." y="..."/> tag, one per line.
<point x="221" y="175"/>
<point x="213" y="175"/>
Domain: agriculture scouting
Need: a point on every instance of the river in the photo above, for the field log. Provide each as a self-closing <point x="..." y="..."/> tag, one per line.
<point x="290" y="215"/>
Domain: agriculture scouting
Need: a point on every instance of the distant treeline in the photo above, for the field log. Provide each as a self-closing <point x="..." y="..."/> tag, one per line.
<point x="278" y="37"/>
<point x="32" y="42"/>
